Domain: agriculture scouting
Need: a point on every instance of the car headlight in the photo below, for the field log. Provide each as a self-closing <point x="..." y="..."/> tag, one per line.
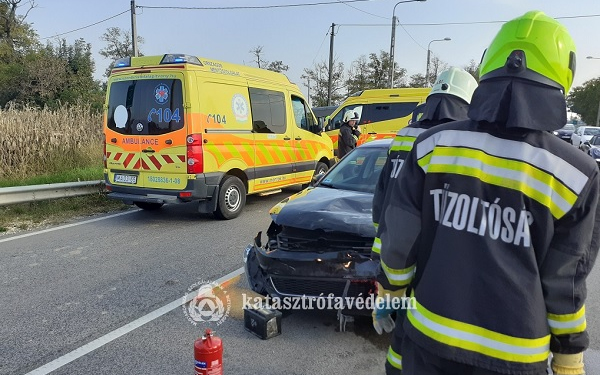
<point x="555" y="132"/>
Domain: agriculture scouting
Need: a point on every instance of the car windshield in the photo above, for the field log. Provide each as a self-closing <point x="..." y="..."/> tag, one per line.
<point x="358" y="171"/>
<point x="591" y="131"/>
<point x="568" y="127"/>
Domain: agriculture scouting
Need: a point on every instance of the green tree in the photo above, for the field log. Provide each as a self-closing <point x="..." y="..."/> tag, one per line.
<point x="585" y="100"/>
<point x="319" y="78"/>
<point x="277" y="66"/>
<point x="379" y="71"/>
<point x="16" y="36"/>
<point x="373" y="73"/>
<point x="436" y="66"/>
<point x="417" y="80"/>
<point x="473" y="69"/>
<point x="17" y="39"/>
<point x="118" y="45"/>
<point x="358" y="76"/>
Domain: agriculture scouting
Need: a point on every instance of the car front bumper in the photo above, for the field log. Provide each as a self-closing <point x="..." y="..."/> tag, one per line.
<point x="331" y="276"/>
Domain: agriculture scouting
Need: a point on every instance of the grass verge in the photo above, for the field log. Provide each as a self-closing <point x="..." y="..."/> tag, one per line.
<point x="76" y="174"/>
<point x="25" y="216"/>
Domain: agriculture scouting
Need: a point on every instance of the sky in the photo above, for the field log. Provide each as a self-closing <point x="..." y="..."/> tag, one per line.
<point x="300" y="35"/>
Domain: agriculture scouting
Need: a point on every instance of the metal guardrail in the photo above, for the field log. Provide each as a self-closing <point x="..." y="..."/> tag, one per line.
<point x="31" y="193"/>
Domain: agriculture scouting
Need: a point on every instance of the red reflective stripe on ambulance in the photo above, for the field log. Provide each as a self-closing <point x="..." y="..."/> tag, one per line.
<point x="128" y="160"/>
<point x="155" y="162"/>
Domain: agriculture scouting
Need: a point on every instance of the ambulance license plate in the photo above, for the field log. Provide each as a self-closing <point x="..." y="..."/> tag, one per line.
<point x="126" y="179"/>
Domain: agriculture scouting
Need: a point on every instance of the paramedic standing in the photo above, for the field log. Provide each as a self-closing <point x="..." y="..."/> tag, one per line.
<point x="448" y="101"/>
<point x="349" y="133"/>
<point x="496" y="229"/>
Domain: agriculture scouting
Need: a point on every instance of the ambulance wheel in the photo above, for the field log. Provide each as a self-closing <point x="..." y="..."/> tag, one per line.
<point x="148" y="206"/>
<point x="232" y="198"/>
<point x="321" y="168"/>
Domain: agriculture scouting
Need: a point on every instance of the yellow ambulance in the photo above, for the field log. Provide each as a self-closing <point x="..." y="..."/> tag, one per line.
<point x="382" y="112"/>
<point x="180" y="128"/>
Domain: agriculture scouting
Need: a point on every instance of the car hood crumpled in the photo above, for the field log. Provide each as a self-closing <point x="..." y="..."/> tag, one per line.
<point x="330" y="210"/>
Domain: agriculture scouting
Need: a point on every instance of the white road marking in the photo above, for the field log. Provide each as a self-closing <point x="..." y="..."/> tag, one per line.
<point x="66" y="226"/>
<point x="101" y="341"/>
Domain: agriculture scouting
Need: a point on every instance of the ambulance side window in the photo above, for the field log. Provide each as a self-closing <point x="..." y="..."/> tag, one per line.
<point x="303" y="115"/>
<point x="268" y="111"/>
<point x="386" y="111"/>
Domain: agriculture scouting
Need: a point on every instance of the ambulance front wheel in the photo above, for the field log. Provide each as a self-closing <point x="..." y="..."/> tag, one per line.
<point x="232" y="198"/>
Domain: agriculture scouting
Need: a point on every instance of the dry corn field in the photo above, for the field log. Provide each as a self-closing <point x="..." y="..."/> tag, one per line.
<point x="40" y="141"/>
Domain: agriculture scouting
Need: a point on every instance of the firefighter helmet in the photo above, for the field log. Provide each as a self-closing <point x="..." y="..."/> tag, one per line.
<point x="350" y="115"/>
<point x="455" y="81"/>
<point x="534" y="47"/>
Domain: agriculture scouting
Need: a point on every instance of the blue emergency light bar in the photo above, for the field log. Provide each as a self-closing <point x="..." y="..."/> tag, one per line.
<point x="179" y="58"/>
<point x="123" y="62"/>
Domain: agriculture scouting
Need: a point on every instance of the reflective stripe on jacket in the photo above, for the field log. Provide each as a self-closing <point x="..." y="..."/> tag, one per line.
<point x="496" y="231"/>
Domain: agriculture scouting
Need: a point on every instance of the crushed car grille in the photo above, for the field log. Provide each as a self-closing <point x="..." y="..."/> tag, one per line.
<point x="308" y="287"/>
<point x="294" y="239"/>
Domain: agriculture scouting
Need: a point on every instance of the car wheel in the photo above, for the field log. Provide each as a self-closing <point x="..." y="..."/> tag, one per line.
<point x="232" y="198"/>
<point x="148" y="206"/>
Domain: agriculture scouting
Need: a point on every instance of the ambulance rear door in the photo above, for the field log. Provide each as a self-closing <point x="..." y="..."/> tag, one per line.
<point x="146" y="131"/>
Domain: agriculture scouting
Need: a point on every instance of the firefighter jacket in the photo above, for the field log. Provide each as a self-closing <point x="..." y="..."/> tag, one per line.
<point x="347" y="139"/>
<point x="439" y="109"/>
<point x="495" y="230"/>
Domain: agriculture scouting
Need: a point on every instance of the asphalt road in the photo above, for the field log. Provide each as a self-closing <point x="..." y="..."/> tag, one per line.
<point x="65" y="289"/>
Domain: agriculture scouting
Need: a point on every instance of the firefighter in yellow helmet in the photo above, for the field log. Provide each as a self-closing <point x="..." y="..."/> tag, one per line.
<point x="497" y="225"/>
<point x="448" y="101"/>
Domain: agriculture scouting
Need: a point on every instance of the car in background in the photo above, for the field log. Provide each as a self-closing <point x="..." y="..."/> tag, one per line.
<point x="321" y="113"/>
<point x="592" y="148"/>
<point x="319" y="242"/>
<point x="582" y="134"/>
<point x="565" y="132"/>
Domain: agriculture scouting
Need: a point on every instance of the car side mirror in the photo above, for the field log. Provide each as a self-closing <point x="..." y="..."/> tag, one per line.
<point x="315" y="179"/>
<point x="587" y="143"/>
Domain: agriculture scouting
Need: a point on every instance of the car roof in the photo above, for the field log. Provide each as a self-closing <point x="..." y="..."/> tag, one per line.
<point x="383" y="143"/>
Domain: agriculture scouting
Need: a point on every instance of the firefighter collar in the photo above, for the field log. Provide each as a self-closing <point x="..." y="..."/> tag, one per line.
<point x="444" y="108"/>
<point x="517" y="103"/>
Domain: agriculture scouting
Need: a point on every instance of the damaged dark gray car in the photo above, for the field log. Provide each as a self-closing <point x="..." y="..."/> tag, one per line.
<point x="319" y="241"/>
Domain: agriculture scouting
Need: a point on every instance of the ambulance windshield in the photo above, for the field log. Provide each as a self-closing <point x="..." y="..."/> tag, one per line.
<point x="145" y="106"/>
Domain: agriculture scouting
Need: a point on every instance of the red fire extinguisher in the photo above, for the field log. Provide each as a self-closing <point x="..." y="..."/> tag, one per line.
<point x="208" y="354"/>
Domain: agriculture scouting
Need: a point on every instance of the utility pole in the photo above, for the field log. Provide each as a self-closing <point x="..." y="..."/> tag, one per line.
<point x="133" y="30"/>
<point x="392" y="44"/>
<point x="330" y="64"/>
<point x="308" y="79"/>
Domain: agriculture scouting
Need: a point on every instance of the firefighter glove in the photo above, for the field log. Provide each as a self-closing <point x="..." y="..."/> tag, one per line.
<point x="383" y="309"/>
<point x="567" y="364"/>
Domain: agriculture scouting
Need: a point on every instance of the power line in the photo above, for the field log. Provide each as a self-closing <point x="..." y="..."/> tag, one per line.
<point x="253" y="7"/>
<point x="323" y="41"/>
<point x="360" y="10"/>
<point x="465" y="23"/>
<point x="85" y="27"/>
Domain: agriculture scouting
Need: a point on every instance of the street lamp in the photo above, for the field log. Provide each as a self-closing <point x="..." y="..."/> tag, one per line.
<point x="429" y="55"/>
<point x="598" y="115"/>
<point x="393" y="41"/>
